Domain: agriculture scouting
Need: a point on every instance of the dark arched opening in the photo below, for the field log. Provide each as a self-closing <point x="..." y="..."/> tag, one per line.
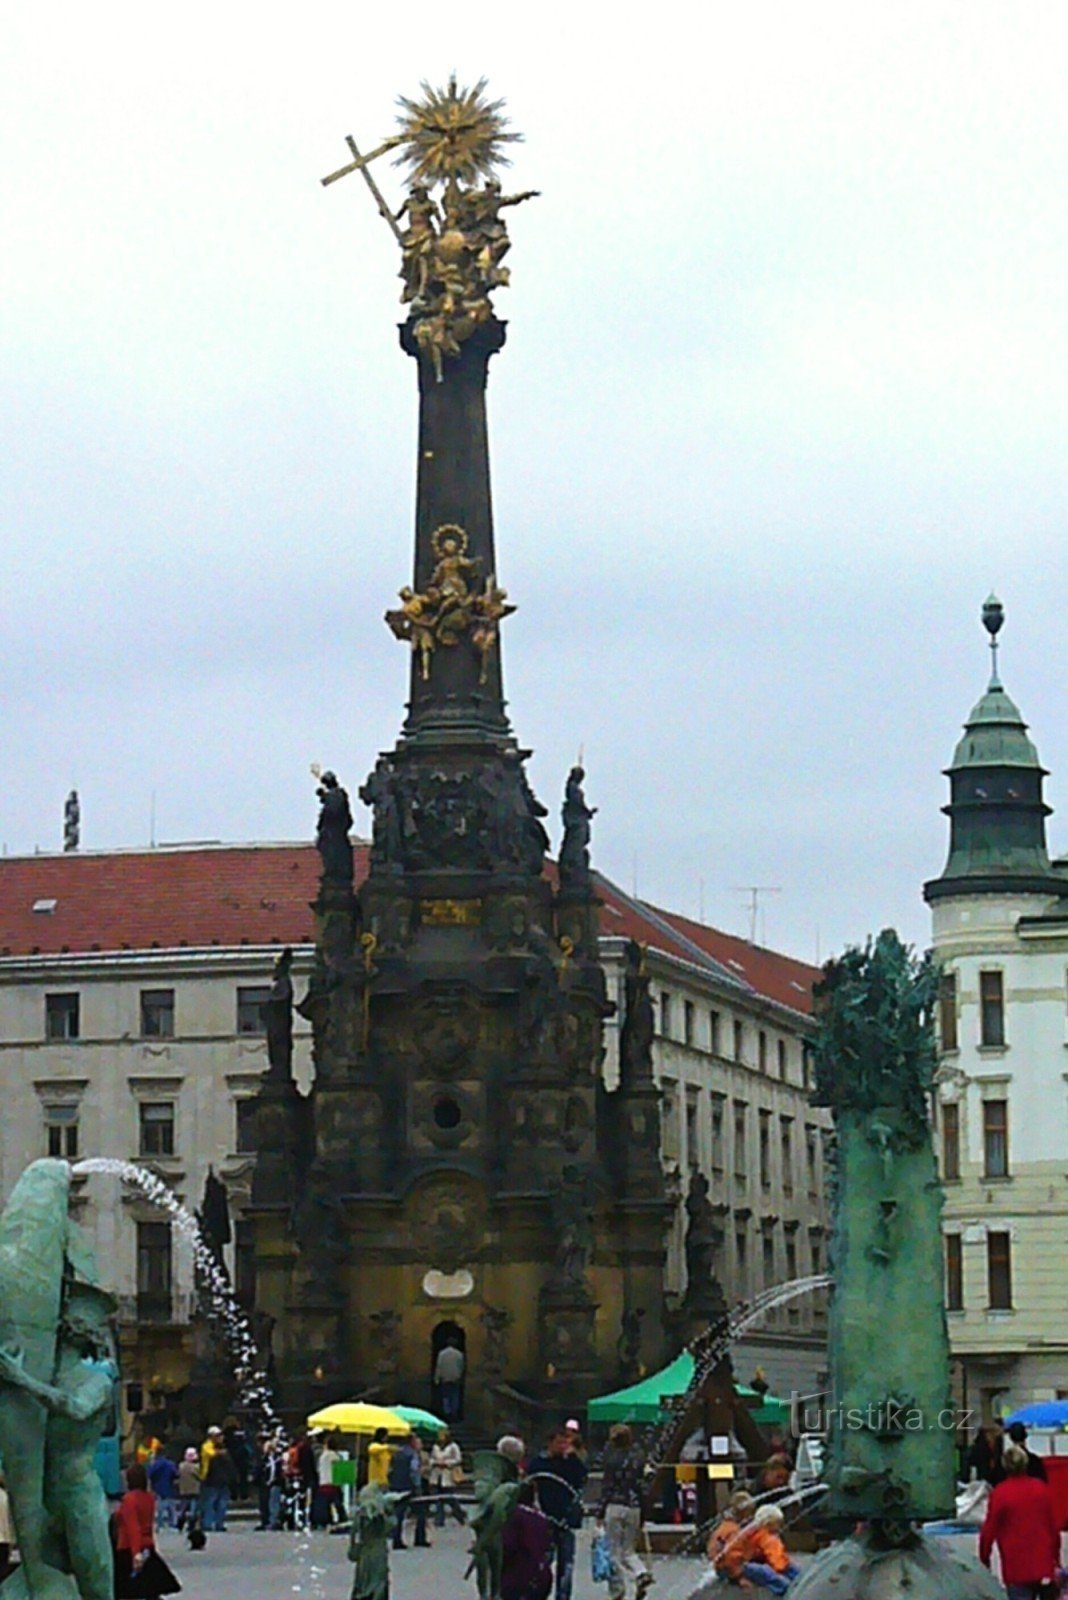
<point x="448" y="1370"/>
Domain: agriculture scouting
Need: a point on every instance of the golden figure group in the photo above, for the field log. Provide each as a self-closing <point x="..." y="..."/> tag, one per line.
<point x="452" y="249"/>
<point x="452" y="605"/>
<point x="453" y="256"/>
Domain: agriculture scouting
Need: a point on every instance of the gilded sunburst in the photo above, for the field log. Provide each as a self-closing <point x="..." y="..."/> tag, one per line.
<point x="453" y="134"/>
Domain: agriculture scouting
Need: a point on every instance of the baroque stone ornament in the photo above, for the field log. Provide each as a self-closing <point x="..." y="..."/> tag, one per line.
<point x="452" y="607"/>
<point x="453" y="244"/>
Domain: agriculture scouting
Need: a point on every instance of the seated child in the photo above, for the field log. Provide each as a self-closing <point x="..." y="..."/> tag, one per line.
<point x="767" y="1562"/>
<point x="728" y="1545"/>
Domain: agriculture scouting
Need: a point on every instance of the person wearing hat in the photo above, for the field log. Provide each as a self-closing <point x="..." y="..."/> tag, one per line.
<point x="78" y="1404"/>
<point x="188" y="1488"/>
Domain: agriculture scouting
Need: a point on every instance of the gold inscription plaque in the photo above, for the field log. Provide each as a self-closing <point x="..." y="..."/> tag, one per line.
<point x="451" y="913"/>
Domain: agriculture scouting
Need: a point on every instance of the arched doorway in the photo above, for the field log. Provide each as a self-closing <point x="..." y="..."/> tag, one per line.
<point x="448" y="1370"/>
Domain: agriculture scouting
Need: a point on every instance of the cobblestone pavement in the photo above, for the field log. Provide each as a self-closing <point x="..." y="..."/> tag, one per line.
<point x="244" y="1565"/>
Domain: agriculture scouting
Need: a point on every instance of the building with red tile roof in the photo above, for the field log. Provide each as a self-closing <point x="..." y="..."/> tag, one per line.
<point x="130" y="990"/>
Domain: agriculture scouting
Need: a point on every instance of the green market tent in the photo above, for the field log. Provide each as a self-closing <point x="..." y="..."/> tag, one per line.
<point x="646" y="1401"/>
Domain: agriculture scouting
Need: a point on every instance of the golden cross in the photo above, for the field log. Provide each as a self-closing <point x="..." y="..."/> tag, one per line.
<point x="362" y="164"/>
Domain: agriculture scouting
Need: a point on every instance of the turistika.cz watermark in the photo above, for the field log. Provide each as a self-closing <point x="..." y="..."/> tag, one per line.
<point x="887" y="1419"/>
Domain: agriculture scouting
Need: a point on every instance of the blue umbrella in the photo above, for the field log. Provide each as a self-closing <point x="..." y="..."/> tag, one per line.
<point x="1042" y="1414"/>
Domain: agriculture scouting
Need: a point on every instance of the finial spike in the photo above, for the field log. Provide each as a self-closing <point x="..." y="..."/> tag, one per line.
<point x="993" y="615"/>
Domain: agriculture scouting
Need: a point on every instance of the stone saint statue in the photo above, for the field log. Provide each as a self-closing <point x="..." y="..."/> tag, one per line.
<point x="639" y="1024"/>
<point x="214" y="1217"/>
<point x="572" y="1220"/>
<point x="278" y="1013"/>
<point x="379" y="792"/>
<point x="575" y="849"/>
<point x="703" y="1238"/>
<point x="372" y="1525"/>
<point x="332" y="836"/>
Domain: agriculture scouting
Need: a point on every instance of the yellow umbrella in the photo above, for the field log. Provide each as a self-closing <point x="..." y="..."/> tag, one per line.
<point x="358" y="1416"/>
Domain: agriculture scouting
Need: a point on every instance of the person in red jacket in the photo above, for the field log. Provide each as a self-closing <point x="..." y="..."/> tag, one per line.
<point x="1020" y="1520"/>
<point x="139" y="1569"/>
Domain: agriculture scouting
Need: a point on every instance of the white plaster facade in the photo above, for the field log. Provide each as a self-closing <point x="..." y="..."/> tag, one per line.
<point x="734" y="1070"/>
<point x="1010" y="1354"/>
<point x="95" y="1089"/>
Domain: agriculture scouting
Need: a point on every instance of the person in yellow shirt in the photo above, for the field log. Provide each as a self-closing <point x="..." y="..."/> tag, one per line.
<point x="212" y="1443"/>
<point x="379" y="1455"/>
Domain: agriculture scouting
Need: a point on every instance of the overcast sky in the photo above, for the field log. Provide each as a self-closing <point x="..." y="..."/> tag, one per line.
<point x="784" y="397"/>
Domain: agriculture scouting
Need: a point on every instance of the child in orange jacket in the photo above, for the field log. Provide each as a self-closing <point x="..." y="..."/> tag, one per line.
<point x="728" y="1544"/>
<point x="767" y="1561"/>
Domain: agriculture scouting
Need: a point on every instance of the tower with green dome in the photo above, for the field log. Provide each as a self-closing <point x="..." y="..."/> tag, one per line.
<point x="997" y="813"/>
<point x="999" y="930"/>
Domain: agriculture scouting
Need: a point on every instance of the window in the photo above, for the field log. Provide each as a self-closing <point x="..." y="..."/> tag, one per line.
<point x="998" y="1272"/>
<point x="665" y="1015"/>
<point x="739" y="1042"/>
<point x="245" y="1125"/>
<point x="687" y="1021"/>
<point x="815" y="1250"/>
<point x="741" y="1255"/>
<point x="717" y="1134"/>
<point x="244" y="1264"/>
<point x="153" y="1271"/>
<point x="693" y="1144"/>
<point x="157" y="1128"/>
<point x="768" y="1251"/>
<point x="762" y="1050"/>
<point x="991" y="1010"/>
<point x="808" y="1070"/>
<point x="61" y="1016"/>
<point x="713" y="1032"/>
<point x="786" y="1137"/>
<point x="780" y="1047"/>
<point x="157" y="1013"/>
<point x="811" y="1159"/>
<point x="61" y="1131"/>
<point x="954" y="1273"/>
<point x="741" y="1165"/>
<point x="669" y="1119"/>
<point x="251" y="1018"/>
<point x="791" y="1259"/>
<point x="995" y="1139"/>
<point x="765" y="1149"/>
<point x="947" y="1011"/>
<point x="951" y="1141"/>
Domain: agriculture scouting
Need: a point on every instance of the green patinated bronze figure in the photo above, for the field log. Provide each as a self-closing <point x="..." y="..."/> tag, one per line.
<point x="372" y="1524"/>
<point x="891" y="1422"/>
<point x="52" y="1405"/>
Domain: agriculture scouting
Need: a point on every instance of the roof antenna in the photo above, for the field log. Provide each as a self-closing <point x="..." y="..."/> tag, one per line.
<point x="72" y="822"/>
<point x="993" y="617"/>
<point x="152" y="821"/>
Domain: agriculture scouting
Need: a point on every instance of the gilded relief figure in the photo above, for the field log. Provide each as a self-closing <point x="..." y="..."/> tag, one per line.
<point x="451" y="607"/>
<point x="452" y="249"/>
<point x="491" y="607"/>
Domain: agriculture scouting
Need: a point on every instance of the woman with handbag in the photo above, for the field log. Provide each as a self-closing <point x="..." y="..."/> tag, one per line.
<point x="620" y="1512"/>
<point x="140" y="1571"/>
<point x="446" y="1471"/>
